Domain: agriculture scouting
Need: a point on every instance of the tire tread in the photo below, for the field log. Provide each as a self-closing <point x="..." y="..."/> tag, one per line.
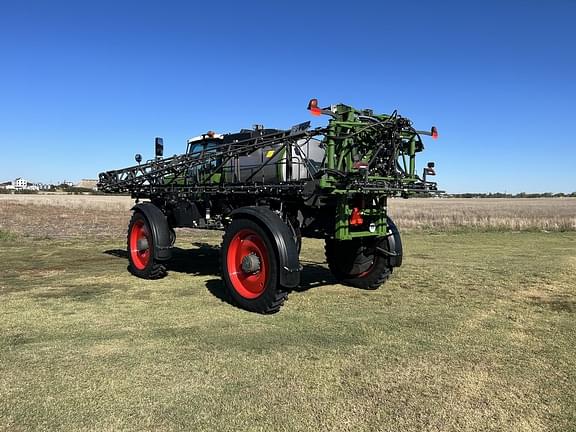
<point x="371" y="281"/>
<point x="270" y="301"/>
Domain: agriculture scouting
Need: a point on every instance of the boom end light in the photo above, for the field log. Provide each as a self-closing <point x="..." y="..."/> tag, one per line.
<point x="313" y="107"/>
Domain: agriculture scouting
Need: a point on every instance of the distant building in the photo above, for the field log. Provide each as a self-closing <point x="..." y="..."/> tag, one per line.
<point x="87" y="184"/>
<point x="20" y="183"/>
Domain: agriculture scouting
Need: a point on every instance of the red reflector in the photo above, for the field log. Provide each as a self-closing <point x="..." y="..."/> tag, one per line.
<point x="356" y="217"/>
<point x="434" y="132"/>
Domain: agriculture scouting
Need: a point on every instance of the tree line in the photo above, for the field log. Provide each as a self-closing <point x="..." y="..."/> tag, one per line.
<point x="507" y="195"/>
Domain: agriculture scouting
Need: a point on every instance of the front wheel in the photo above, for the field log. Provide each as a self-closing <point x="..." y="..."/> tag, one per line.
<point x="358" y="262"/>
<point x="250" y="267"/>
<point x="141" y="257"/>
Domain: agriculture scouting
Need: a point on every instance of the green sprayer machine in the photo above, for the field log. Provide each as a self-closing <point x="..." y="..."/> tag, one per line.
<point x="268" y="188"/>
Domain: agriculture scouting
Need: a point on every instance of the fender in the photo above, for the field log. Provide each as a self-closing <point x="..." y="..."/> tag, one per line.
<point x="160" y="229"/>
<point x="394" y="244"/>
<point x="281" y="236"/>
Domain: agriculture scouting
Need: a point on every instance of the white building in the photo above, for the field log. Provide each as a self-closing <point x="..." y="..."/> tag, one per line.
<point x="20" y="183"/>
<point x="88" y="184"/>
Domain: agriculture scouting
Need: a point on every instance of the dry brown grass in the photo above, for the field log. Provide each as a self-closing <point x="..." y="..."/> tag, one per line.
<point x="522" y="214"/>
<point x="65" y="216"/>
<point x="89" y="202"/>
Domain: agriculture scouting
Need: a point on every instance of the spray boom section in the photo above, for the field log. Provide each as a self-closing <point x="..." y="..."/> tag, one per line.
<point x="378" y="148"/>
<point x="357" y="151"/>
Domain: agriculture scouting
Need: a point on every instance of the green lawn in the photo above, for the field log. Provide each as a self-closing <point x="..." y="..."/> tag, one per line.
<point x="475" y="332"/>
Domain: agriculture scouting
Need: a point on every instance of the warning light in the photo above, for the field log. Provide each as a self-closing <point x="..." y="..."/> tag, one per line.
<point x="313" y="107"/>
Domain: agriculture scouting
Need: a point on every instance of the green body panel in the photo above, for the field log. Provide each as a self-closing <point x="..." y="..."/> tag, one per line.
<point x="343" y="231"/>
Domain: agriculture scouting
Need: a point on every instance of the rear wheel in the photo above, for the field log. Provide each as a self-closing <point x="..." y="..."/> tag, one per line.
<point x="141" y="249"/>
<point x="358" y="263"/>
<point x="250" y="267"/>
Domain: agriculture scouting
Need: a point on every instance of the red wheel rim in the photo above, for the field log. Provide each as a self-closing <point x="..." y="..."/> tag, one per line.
<point x="140" y="245"/>
<point x="247" y="243"/>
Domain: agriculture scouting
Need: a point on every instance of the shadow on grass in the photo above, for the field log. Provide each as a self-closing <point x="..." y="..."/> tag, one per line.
<point x="205" y="260"/>
<point x="83" y="293"/>
<point x="555" y="303"/>
<point x="314" y="275"/>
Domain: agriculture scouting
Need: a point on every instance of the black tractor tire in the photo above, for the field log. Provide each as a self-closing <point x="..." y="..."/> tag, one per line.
<point x="141" y="251"/>
<point x="357" y="263"/>
<point x="250" y="267"/>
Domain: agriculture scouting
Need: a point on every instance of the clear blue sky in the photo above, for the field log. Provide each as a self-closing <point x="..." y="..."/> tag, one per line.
<point x="86" y="84"/>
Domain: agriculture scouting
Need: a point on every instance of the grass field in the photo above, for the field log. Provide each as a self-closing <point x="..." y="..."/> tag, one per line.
<point x="107" y="216"/>
<point x="475" y="331"/>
